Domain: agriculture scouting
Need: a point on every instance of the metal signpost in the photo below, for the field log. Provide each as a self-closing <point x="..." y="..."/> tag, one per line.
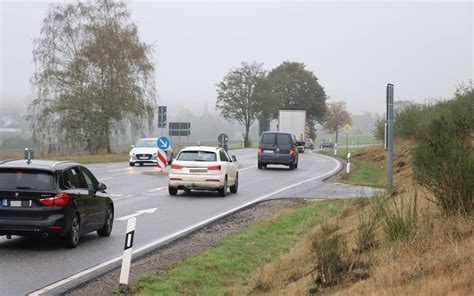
<point x="347" y="128"/>
<point x="389" y="135"/>
<point x="162" y="117"/>
<point x="223" y="141"/>
<point x="180" y="129"/>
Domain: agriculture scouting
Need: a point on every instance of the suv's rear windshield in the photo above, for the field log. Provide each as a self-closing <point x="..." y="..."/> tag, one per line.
<point x="28" y="179"/>
<point x="281" y="139"/>
<point x="197" y="156"/>
<point x="146" y="144"/>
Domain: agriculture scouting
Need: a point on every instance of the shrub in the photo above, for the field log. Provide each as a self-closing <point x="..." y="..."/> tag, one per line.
<point x="368" y="222"/>
<point x="398" y="220"/>
<point x="443" y="156"/>
<point x="329" y="252"/>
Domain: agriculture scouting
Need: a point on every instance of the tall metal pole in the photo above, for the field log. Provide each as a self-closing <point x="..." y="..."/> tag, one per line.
<point x="389" y="136"/>
<point x="347" y="143"/>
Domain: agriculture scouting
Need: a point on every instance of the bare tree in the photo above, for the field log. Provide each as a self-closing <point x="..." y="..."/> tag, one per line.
<point x="93" y="77"/>
<point x="336" y="117"/>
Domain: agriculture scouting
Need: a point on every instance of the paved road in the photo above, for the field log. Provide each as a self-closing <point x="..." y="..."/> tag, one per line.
<point x="27" y="264"/>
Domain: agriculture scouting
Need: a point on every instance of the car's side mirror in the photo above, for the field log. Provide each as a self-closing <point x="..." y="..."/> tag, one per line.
<point x="132" y="146"/>
<point x="234" y="159"/>
<point x="101" y="187"/>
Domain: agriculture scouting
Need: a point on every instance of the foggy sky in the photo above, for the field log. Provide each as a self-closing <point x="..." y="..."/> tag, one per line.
<point x="354" y="48"/>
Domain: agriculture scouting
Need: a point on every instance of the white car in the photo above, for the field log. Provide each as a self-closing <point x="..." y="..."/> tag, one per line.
<point x="146" y="151"/>
<point x="204" y="168"/>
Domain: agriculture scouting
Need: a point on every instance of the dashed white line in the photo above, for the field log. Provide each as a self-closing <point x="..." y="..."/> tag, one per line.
<point x="118" y="170"/>
<point x="156" y="189"/>
<point x="116" y="195"/>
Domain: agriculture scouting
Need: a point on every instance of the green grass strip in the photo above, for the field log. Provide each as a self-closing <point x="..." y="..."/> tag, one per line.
<point x="229" y="264"/>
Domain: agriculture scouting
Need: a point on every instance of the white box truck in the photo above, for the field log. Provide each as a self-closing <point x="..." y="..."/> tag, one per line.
<point x="294" y="122"/>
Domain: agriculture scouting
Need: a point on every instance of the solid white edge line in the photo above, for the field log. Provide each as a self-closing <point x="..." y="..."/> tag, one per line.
<point x="178" y="233"/>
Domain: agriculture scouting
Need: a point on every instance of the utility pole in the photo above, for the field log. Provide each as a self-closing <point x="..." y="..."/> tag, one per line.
<point x="389" y="136"/>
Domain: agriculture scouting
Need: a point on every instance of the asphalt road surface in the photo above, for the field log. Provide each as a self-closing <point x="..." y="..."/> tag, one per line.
<point x="38" y="265"/>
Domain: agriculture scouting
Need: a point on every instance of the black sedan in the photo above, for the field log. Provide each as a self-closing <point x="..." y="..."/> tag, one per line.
<point x="52" y="198"/>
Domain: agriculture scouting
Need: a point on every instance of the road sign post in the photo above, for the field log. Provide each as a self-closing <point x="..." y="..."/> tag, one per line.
<point x="389" y="135"/>
<point x="180" y="129"/>
<point x="163" y="143"/>
<point x="127" y="253"/>
<point x="223" y="140"/>
<point x="347" y="128"/>
<point x="162" y="117"/>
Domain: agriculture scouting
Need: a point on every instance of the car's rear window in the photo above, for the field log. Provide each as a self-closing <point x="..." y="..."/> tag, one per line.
<point x="268" y="139"/>
<point x="197" y="156"/>
<point x="283" y="139"/>
<point x="146" y="143"/>
<point x="27" y="179"/>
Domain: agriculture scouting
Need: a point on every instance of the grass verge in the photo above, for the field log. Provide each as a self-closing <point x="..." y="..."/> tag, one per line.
<point x="226" y="268"/>
<point x="362" y="172"/>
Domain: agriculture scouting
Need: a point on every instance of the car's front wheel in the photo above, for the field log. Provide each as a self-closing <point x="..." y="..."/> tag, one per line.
<point x="234" y="188"/>
<point x="131" y="164"/>
<point x="106" y="230"/>
<point x="72" y="237"/>
<point x="172" y="190"/>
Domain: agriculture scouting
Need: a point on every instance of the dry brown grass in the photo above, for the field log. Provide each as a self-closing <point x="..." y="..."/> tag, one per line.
<point x="437" y="260"/>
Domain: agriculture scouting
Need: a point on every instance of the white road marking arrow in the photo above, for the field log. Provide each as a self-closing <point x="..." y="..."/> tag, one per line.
<point x="137" y="213"/>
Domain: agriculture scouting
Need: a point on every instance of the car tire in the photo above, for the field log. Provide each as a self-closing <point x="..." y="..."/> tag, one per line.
<point x="223" y="190"/>
<point x="131" y="164"/>
<point x="296" y="165"/>
<point x="260" y="166"/>
<point x="72" y="236"/>
<point x="106" y="230"/>
<point x="234" y="188"/>
<point x="292" y="166"/>
<point x="172" y="190"/>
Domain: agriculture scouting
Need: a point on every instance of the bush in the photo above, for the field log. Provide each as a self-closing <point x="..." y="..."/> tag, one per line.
<point x="398" y="220"/>
<point x="443" y="156"/>
<point x="368" y="222"/>
<point x="329" y="252"/>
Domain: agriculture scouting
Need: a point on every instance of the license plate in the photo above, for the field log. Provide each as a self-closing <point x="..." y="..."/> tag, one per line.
<point x="15" y="203"/>
<point x="268" y="151"/>
<point x="143" y="157"/>
<point x="198" y="170"/>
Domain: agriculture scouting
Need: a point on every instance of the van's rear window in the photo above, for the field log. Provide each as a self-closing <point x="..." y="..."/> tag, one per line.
<point x="197" y="156"/>
<point x="268" y="139"/>
<point x="27" y="179"/>
<point x="283" y="139"/>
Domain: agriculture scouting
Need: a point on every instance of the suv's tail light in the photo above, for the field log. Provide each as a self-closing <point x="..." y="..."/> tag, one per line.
<point x="259" y="150"/>
<point x="292" y="151"/>
<point x="176" y="166"/>
<point x="214" y="168"/>
<point x="59" y="199"/>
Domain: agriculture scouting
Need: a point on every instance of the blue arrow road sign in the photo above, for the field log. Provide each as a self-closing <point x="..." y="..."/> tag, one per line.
<point x="163" y="143"/>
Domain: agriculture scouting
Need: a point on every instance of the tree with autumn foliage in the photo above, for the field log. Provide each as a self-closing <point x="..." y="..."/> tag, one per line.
<point x="336" y="117"/>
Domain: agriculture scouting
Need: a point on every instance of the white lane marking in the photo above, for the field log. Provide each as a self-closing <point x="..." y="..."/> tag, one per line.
<point x="112" y="166"/>
<point x="156" y="189"/>
<point x="137" y="213"/>
<point x="246" y="156"/>
<point x="126" y="196"/>
<point x="178" y="233"/>
<point x="103" y="179"/>
<point x="118" y="170"/>
<point x="116" y="195"/>
<point x="246" y="169"/>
